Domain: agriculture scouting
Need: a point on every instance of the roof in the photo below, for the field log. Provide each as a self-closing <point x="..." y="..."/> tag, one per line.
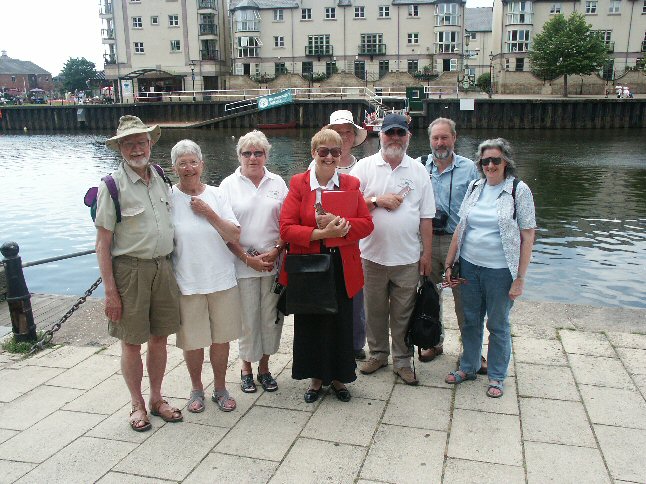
<point x="478" y="19"/>
<point x="16" y="66"/>
<point x="263" y="4"/>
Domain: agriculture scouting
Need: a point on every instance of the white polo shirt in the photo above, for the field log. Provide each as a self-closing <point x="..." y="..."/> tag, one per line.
<point x="395" y="240"/>
<point x="258" y="211"/>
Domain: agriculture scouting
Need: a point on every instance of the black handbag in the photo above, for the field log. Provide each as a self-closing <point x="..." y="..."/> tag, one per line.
<point x="311" y="288"/>
<point x="424" y="326"/>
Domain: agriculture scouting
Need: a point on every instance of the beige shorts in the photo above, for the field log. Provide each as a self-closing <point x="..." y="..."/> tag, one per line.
<point x="150" y="299"/>
<point x="209" y="318"/>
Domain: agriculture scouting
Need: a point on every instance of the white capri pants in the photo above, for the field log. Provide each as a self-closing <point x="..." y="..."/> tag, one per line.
<point x="260" y="333"/>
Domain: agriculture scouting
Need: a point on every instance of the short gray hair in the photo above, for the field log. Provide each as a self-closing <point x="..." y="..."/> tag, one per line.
<point x="506" y="154"/>
<point x="448" y="121"/>
<point x="185" y="147"/>
<point x="253" y="138"/>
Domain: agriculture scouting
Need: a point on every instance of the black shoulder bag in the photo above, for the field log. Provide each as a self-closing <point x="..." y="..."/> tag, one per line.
<point x="424" y="326"/>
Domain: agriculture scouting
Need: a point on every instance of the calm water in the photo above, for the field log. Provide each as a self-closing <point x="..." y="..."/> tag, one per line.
<point x="589" y="189"/>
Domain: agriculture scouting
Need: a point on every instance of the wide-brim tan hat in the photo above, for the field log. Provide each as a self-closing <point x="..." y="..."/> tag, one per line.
<point x="343" y="116"/>
<point x="129" y="125"/>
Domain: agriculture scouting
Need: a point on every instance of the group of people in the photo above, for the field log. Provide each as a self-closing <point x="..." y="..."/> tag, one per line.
<point x="204" y="262"/>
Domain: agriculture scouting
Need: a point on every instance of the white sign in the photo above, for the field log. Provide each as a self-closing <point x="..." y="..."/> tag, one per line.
<point x="467" y="104"/>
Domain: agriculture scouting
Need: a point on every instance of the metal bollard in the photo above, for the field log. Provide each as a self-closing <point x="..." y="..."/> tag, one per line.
<point x="18" y="297"/>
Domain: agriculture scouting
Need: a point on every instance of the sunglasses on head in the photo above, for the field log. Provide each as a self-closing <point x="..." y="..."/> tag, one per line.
<point x="323" y="152"/>
<point x="396" y="131"/>
<point x="496" y="160"/>
<point x="257" y="154"/>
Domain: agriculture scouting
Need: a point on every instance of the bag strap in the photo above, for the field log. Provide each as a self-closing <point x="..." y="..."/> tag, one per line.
<point x="162" y="174"/>
<point x="111" y="185"/>
<point x="513" y="193"/>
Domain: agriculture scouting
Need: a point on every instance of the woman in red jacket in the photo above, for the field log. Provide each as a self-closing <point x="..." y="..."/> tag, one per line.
<point x="323" y="349"/>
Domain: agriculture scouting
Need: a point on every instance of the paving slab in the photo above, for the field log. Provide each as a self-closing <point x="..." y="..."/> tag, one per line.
<point x="486" y="437"/>
<point x="586" y="343"/>
<point x="290" y="395"/>
<point x="600" y="371"/>
<point x="472" y="395"/>
<point x="35" y="405"/>
<point x="276" y="428"/>
<point x="452" y="344"/>
<point x="314" y="461"/>
<point x="614" y="406"/>
<point x="172" y="452"/>
<point x="231" y="468"/>
<point x="419" y="407"/>
<point x="11" y="471"/>
<point x="624" y="451"/>
<point x="105" y="398"/>
<point x="116" y="427"/>
<point x="627" y="340"/>
<point x="543" y="381"/>
<point x="15" y="382"/>
<point x="564" y="464"/>
<point x="377" y="386"/>
<point x="556" y="422"/>
<point x="528" y="331"/>
<point x="403" y="454"/>
<point x="6" y="434"/>
<point x="539" y="351"/>
<point x="78" y="462"/>
<point x="212" y="414"/>
<point x="64" y="356"/>
<point x="48" y="436"/>
<point x="460" y="471"/>
<point x="634" y="360"/>
<point x="121" y="478"/>
<point x="177" y="382"/>
<point x="432" y="373"/>
<point x="640" y="381"/>
<point x="89" y="373"/>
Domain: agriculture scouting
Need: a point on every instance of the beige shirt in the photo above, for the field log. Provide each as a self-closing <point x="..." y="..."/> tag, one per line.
<point x="146" y="228"/>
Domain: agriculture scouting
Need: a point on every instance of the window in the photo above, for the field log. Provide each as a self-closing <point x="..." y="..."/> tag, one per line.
<point x="360" y="69"/>
<point x="372" y="44"/>
<point x="13" y="79"/>
<point x="472" y="35"/>
<point x="359" y="12"/>
<point x="518" y="40"/>
<point x="413" y="10"/>
<point x="615" y="6"/>
<point x="207" y="24"/>
<point x="449" y="65"/>
<point x="606" y="36"/>
<point x="247" y="21"/>
<point x="248" y="46"/>
<point x="279" y="68"/>
<point x="555" y="8"/>
<point x="175" y="46"/>
<point x="384" y="11"/>
<point x="520" y="64"/>
<point x="384" y="68"/>
<point x="413" y="38"/>
<point x="608" y="70"/>
<point x="279" y="15"/>
<point x="644" y="7"/>
<point x="519" y="12"/>
<point x="330" y="13"/>
<point x="318" y="45"/>
<point x="413" y="66"/>
<point x="139" y="47"/>
<point x="330" y="68"/>
<point x="173" y="20"/>
<point x="306" y="14"/>
<point x="591" y="7"/>
<point x="279" y="41"/>
<point x="446" y="14"/>
<point x="446" y="42"/>
<point x="307" y="68"/>
<point x="154" y="20"/>
<point x="137" y="23"/>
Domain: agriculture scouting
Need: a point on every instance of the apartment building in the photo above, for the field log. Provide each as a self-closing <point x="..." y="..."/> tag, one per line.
<point x="622" y="23"/>
<point x="165" y="45"/>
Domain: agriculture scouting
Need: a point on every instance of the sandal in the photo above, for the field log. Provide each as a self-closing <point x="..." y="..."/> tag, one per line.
<point x="267" y="381"/>
<point x="458" y="378"/>
<point x="246" y="383"/>
<point x="169" y="414"/>
<point x="491" y="390"/>
<point x="221" y="397"/>
<point x="196" y="396"/>
<point x="135" y="422"/>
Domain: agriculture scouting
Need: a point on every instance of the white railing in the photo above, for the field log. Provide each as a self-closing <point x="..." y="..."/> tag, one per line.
<point x="440" y="91"/>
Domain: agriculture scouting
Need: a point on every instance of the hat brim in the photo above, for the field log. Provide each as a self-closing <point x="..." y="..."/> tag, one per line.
<point x="361" y="133"/>
<point x="155" y="133"/>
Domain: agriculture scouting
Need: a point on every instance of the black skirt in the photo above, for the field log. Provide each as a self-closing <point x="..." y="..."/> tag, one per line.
<point x="323" y="346"/>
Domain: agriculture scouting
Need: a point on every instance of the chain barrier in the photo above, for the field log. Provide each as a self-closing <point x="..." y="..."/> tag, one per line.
<point x="49" y="334"/>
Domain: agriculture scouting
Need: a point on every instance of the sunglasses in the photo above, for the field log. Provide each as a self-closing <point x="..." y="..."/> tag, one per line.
<point x="323" y="152"/>
<point x="257" y="154"/>
<point x="396" y="131"/>
<point x="496" y="160"/>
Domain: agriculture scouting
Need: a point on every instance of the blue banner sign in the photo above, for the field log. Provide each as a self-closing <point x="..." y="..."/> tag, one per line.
<point x="275" y="100"/>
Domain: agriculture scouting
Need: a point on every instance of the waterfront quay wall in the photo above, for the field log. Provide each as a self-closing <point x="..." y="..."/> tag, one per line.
<point x="541" y="113"/>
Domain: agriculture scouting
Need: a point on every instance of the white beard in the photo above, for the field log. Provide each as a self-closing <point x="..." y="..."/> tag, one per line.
<point x="142" y="163"/>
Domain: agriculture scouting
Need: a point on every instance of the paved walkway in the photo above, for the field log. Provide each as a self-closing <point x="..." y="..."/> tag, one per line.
<point x="573" y="411"/>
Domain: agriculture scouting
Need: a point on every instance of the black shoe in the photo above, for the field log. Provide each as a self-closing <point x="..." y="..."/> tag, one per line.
<point x="342" y="393"/>
<point x="268" y="382"/>
<point x="246" y="383"/>
<point x="312" y="395"/>
<point x="360" y="354"/>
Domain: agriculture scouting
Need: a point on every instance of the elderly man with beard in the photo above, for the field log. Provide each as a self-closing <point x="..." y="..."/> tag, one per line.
<point x="398" y="191"/>
<point x="141" y="294"/>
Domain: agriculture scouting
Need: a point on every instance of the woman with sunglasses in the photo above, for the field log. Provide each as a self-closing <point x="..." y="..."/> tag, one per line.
<point x="323" y="349"/>
<point x="256" y="196"/>
<point x="493" y="244"/>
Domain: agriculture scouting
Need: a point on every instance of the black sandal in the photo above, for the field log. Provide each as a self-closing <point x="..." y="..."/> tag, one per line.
<point x="246" y="383"/>
<point x="312" y="394"/>
<point x="342" y="393"/>
<point x="268" y="382"/>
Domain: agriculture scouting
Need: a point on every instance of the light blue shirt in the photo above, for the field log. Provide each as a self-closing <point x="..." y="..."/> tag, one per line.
<point x="464" y="171"/>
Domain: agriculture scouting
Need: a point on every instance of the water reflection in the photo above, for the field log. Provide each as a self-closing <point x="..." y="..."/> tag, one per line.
<point x="588" y="186"/>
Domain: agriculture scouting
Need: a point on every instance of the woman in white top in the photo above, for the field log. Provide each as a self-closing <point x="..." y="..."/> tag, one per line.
<point x="256" y="196"/>
<point x="210" y="300"/>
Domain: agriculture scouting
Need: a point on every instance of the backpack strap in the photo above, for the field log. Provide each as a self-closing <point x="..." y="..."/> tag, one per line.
<point x="513" y="193"/>
<point x="423" y="159"/>
<point x="111" y="185"/>
<point x="160" y="172"/>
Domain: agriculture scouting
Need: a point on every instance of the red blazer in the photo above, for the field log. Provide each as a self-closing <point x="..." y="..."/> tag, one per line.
<point x="297" y="222"/>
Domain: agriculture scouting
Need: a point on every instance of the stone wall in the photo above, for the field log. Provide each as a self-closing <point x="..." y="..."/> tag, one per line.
<point x="635" y="80"/>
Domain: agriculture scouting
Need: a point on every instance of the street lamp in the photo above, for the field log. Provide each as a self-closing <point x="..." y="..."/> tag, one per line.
<point x="490" y="74"/>
<point x="192" y="65"/>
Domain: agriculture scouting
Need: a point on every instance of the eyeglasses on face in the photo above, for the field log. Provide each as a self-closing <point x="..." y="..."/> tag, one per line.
<point x="396" y="132"/>
<point x="184" y="164"/>
<point x="323" y="152"/>
<point x="496" y="160"/>
<point x="130" y="145"/>
<point x="257" y="154"/>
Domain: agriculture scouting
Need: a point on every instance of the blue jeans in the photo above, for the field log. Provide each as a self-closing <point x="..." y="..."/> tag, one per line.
<point x="486" y="292"/>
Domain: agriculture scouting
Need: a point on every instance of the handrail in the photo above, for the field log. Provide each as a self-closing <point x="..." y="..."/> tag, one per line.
<point x="57" y="258"/>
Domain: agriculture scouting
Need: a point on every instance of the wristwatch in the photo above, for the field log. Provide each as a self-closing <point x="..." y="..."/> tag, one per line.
<point x="373" y="200"/>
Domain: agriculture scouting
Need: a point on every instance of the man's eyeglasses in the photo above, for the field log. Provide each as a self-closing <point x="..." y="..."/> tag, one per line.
<point x="323" y="152"/>
<point x="396" y="132"/>
<point x="257" y="154"/>
<point x="496" y="160"/>
<point x="185" y="164"/>
<point x="130" y="145"/>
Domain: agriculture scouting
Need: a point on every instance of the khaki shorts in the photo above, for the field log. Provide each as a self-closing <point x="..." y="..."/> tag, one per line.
<point x="150" y="299"/>
<point x="209" y="318"/>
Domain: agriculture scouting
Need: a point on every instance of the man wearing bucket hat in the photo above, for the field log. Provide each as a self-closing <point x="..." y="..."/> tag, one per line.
<point x="399" y="194"/>
<point x="141" y="294"/>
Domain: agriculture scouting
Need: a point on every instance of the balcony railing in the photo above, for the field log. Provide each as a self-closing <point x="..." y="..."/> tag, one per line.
<point x="445" y="48"/>
<point x="319" y="50"/>
<point x="206" y="4"/>
<point x="109" y="58"/>
<point x="372" y="49"/>
<point x="208" y="29"/>
<point x="107" y="33"/>
<point x="610" y="45"/>
<point x="248" y="26"/>
<point x="210" y="54"/>
<point x="643" y="45"/>
<point x="106" y="9"/>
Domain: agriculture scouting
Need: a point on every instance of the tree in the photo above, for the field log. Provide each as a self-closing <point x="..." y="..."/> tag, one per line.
<point x="76" y="72"/>
<point x="567" y="47"/>
<point x="484" y="82"/>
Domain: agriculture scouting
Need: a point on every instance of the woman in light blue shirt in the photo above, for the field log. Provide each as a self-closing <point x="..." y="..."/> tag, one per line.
<point x="493" y="244"/>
